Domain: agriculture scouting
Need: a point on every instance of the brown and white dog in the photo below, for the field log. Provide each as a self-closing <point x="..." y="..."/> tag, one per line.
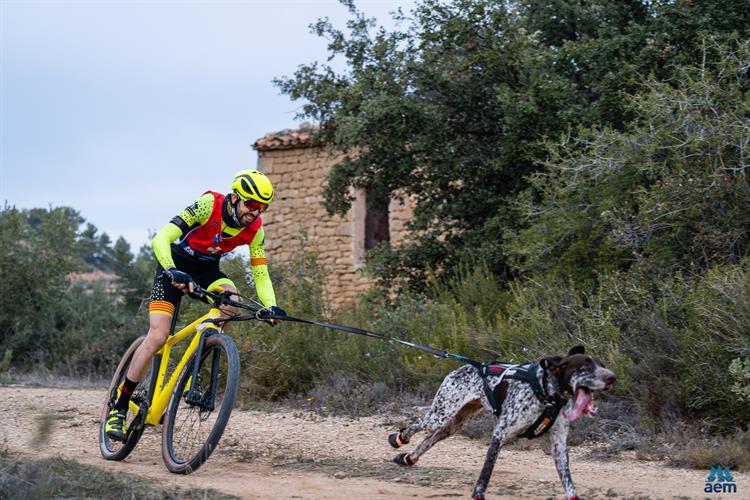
<point x="526" y="400"/>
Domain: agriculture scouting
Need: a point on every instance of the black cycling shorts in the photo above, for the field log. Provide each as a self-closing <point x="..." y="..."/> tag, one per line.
<point x="165" y="297"/>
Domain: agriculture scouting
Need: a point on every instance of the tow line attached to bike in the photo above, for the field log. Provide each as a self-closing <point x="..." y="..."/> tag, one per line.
<point x="264" y="314"/>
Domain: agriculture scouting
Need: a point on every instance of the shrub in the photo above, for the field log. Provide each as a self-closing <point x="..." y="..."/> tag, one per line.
<point x="730" y="451"/>
<point x="739" y="370"/>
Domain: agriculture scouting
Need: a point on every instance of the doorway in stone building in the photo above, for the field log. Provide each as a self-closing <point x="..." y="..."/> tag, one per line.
<point x="377" y="229"/>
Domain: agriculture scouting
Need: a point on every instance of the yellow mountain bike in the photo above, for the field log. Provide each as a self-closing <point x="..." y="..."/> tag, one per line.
<point x="195" y="402"/>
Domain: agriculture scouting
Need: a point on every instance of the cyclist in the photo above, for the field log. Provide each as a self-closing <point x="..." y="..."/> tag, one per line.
<point x="188" y="250"/>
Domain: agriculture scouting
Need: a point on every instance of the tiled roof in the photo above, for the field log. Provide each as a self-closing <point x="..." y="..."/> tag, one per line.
<point x="302" y="137"/>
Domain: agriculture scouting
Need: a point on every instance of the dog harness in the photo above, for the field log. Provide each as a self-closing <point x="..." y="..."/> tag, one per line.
<point x="527" y="374"/>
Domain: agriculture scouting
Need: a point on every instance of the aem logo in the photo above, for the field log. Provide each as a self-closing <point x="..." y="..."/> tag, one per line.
<point x="720" y="480"/>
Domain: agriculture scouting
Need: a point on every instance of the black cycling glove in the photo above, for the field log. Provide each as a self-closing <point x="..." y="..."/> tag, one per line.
<point x="277" y="311"/>
<point x="179" y="277"/>
<point x="271" y="311"/>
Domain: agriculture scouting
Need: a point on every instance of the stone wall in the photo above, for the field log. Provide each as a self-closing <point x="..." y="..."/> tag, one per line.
<point x="298" y="168"/>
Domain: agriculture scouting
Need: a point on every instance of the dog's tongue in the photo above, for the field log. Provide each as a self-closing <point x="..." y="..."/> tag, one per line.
<point x="582" y="403"/>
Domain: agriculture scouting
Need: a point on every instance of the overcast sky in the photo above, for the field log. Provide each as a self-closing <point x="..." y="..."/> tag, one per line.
<point x="128" y="110"/>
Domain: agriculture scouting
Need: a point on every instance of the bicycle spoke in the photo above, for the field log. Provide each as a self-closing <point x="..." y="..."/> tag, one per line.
<point x="195" y="421"/>
<point x="110" y="448"/>
<point x="200" y="406"/>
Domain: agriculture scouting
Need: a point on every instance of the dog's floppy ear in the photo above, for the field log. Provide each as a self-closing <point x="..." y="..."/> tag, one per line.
<point x="579" y="349"/>
<point x="551" y="363"/>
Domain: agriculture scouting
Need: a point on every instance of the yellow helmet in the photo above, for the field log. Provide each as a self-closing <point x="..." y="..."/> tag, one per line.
<point x="253" y="185"/>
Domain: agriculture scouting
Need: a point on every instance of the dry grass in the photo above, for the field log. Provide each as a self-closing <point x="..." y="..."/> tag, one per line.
<point x="731" y="451"/>
<point x="41" y="377"/>
<point x="43" y="430"/>
<point x="59" y="478"/>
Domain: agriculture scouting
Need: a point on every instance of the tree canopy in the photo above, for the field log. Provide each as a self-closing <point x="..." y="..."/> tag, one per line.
<point x="667" y="194"/>
<point x="457" y="107"/>
<point x="50" y="317"/>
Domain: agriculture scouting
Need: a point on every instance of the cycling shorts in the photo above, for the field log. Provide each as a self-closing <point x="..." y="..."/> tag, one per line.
<point x="165" y="297"/>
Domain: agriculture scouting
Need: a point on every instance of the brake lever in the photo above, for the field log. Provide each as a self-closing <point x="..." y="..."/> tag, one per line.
<point x="226" y="298"/>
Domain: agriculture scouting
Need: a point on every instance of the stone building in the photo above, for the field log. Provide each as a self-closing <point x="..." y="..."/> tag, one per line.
<point x="298" y="167"/>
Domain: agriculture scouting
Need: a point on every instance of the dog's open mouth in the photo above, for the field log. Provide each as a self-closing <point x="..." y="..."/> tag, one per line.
<point x="584" y="403"/>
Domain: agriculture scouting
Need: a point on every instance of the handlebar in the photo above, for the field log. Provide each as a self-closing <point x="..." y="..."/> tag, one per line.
<point x="225" y="299"/>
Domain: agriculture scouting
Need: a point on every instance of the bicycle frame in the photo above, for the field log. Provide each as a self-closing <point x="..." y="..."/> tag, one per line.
<point x="160" y="392"/>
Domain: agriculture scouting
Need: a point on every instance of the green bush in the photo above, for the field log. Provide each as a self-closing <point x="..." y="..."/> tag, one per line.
<point x="739" y="370"/>
<point x="293" y="358"/>
<point x="678" y="342"/>
<point x="670" y="341"/>
<point x="51" y="322"/>
<point x="95" y="329"/>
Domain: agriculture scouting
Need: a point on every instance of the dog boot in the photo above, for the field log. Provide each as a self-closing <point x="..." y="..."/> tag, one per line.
<point x="395" y="439"/>
<point x="403" y="459"/>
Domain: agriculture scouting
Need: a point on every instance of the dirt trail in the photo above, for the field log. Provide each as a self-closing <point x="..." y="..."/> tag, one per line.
<point x="302" y="455"/>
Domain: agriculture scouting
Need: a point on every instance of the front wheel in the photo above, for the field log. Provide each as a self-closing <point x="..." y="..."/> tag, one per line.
<point x="111" y="449"/>
<point x="192" y="429"/>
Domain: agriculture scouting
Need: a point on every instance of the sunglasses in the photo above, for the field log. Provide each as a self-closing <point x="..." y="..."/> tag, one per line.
<point x="255" y="205"/>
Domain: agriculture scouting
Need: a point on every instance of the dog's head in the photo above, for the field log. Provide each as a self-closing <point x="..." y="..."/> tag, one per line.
<point x="581" y="376"/>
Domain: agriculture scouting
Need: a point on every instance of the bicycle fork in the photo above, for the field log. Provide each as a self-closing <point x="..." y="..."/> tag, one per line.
<point x="205" y="400"/>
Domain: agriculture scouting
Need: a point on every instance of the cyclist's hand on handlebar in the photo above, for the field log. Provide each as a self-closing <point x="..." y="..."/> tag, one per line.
<point x="181" y="280"/>
<point x="265" y="314"/>
<point x="277" y="311"/>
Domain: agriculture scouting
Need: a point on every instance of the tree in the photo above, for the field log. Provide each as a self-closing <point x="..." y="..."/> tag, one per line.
<point x="45" y="317"/>
<point x="455" y="108"/>
<point x="135" y="274"/>
<point x="95" y="249"/>
<point x="669" y="193"/>
<point x="37" y="255"/>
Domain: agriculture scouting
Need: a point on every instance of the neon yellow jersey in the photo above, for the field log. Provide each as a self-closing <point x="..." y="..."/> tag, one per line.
<point x="197" y="214"/>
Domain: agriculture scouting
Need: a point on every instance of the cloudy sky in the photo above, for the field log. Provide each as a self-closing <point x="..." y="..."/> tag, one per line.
<point x="128" y="110"/>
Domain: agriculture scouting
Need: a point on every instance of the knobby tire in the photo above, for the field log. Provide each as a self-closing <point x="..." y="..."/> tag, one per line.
<point x="110" y="448"/>
<point x="192" y="432"/>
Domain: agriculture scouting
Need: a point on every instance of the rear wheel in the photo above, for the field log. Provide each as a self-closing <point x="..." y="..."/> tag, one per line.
<point x="112" y="449"/>
<point x="192" y="429"/>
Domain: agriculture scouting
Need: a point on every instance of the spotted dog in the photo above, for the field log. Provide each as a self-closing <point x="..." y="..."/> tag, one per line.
<point x="526" y="400"/>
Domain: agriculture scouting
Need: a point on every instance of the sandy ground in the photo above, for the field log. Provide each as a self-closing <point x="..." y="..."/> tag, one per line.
<point x="302" y="455"/>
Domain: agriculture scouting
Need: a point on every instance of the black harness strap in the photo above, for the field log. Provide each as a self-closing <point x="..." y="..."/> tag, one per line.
<point x="527" y="374"/>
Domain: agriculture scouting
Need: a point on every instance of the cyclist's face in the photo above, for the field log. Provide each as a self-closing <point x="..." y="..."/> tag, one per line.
<point x="245" y="214"/>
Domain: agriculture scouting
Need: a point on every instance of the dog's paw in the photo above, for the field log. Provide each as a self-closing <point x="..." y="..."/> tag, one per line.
<point x="477" y="497"/>
<point x="403" y="459"/>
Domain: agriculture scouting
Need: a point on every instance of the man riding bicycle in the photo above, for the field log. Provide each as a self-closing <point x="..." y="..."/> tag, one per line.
<point x="188" y="250"/>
